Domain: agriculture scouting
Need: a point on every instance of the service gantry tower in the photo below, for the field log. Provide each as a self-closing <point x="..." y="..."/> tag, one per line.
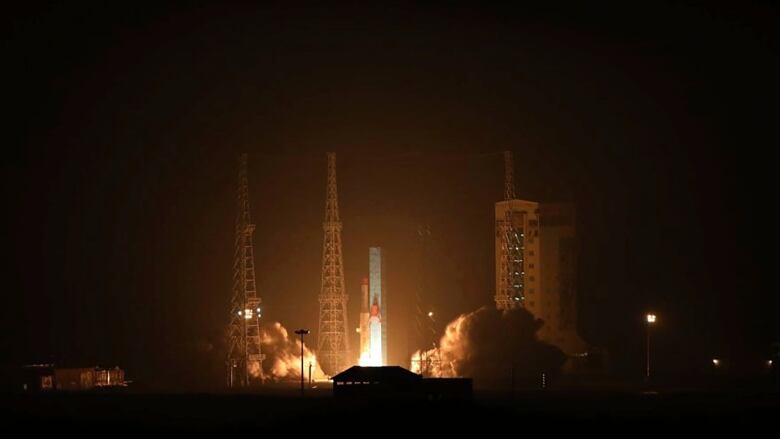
<point x="245" y="357"/>
<point x="332" y="337"/>
<point x="510" y="291"/>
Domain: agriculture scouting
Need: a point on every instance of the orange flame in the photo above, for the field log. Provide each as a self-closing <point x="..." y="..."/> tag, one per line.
<point x="283" y="356"/>
<point x="453" y="347"/>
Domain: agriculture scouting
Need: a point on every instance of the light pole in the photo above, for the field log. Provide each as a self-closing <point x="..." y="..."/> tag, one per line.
<point x="427" y="369"/>
<point x="302" y="332"/>
<point x="650" y="319"/>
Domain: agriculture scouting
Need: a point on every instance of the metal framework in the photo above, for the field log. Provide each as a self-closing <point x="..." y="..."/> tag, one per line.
<point x="429" y="362"/>
<point x="245" y="357"/>
<point x="509" y="177"/>
<point x="510" y="291"/>
<point x="332" y="337"/>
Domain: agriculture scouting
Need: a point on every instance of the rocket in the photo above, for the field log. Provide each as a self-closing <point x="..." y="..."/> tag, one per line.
<point x="371" y="352"/>
<point x="377" y="299"/>
<point x="364" y="316"/>
<point x="373" y="314"/>
<point x="375" y="332"/>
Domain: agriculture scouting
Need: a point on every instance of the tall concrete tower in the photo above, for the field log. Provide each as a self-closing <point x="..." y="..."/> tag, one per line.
<point x="517" y="255"/>
<point x="333" y="340"/>
<point x="517" y="245"/>
<point x="244" y="362"/>
<point x="536" y="263"/>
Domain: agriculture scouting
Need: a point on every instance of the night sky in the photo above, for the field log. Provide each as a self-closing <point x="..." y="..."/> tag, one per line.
<point x="124" y="123"/>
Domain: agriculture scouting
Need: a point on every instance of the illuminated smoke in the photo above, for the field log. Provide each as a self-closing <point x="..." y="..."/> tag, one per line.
<point x="283" y="356"/>
<point x="441" y="361"/>
<point x="364" y="360"/>
<point x="490" y="346"/>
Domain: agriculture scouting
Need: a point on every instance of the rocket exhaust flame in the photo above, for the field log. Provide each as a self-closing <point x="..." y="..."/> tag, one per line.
<point x="283" y="357"/>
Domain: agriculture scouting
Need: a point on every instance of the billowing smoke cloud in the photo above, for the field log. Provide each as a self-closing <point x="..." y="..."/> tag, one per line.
<point x="283" y="356"/>
<point x="493" y="347"/>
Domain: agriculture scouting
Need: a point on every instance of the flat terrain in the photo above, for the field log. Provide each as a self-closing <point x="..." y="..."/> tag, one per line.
<point x="283" y="410"/>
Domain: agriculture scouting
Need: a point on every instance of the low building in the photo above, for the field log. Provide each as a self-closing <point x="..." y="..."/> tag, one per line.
<point x="397" y="382"/>
<point x="82" y="378"/>
<point x="46" y="377"/>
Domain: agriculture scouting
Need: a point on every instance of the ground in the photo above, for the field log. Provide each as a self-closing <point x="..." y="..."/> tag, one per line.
<point x="282" y="410"/>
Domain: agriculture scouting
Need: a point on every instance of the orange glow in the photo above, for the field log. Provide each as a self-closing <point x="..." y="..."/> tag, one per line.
<point x="254" y="370"/>
<point x="283" y="356"/>
<point x="442" y="361"/>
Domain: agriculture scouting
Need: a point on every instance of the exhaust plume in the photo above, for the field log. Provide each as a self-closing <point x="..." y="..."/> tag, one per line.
<point x="495" y="348"/>
<point x="283" y="356"/>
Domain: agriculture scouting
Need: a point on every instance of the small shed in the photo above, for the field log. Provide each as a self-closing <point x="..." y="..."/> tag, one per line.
<point x="376" y="381"/>
<point x="395" y="381"/>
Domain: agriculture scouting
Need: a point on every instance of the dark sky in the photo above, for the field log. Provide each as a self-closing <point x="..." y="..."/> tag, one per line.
<point x="124" y="124"/>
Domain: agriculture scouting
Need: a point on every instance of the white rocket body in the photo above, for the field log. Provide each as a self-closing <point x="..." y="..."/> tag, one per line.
<point x="375" y="340"/>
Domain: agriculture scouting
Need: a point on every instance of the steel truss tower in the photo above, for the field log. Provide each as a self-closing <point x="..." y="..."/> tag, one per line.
<point x="510" y="291"/>
<point x="244" y="362"/>
<point x="332" y="338"/>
